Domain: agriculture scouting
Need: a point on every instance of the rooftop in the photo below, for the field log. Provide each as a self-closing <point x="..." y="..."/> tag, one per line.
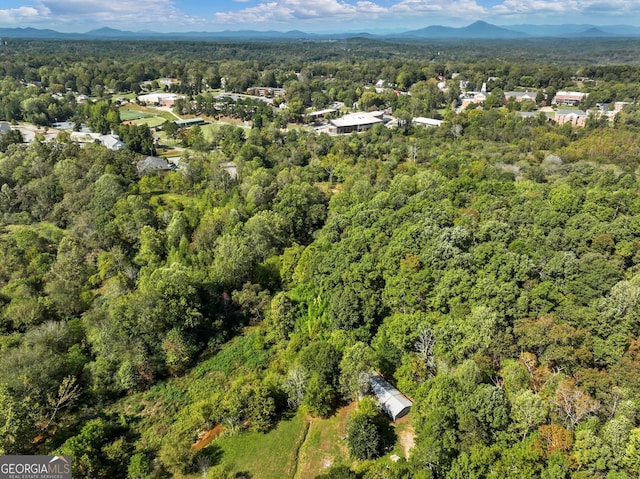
<point x="360" y="118"/>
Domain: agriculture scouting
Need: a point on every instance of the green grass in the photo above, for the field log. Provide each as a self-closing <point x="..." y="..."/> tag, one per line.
<point x="175" y="201"/>
<point x="247" y="352"/>
<point x="150" y="122"/>
<point x="128" y="115"/>
<point x="264" y="456"/>
<point x="210" y="128"/>
<point x="324" y="445"/>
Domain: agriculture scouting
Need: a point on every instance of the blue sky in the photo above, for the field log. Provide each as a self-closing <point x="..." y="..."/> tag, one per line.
<point x="308" y="15"/>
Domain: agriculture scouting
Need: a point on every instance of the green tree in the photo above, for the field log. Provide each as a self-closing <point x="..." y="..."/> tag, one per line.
<point x="363" y="437"/>
<point x="356" y="366"/>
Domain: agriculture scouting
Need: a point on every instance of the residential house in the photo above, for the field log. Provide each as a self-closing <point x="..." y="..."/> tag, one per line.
<point x="231" y="168"/>
<point x="4" y="127"/>
<point x="111" y="141"/>
<point x="153" y="165"/>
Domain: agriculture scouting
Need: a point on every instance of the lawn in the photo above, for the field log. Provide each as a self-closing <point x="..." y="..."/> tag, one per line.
<point x="128" y="115"/>
<point x="325" y="445"/>
<point x="264" y="456"/>
<point x="150" y="122"/>
<point x="298" y="448"/>
<point x="210" y="128"/>
<point x="135" y="112"/>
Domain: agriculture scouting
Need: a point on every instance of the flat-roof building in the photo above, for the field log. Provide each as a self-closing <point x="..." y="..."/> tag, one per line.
<point x="189" y="122"/>
<point x="427" y="122"/>
<point x="162" y="99"/>
<point x="360" y="121"/>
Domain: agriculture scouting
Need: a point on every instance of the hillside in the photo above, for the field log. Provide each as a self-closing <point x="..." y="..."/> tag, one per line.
<point x="488" y="268"/>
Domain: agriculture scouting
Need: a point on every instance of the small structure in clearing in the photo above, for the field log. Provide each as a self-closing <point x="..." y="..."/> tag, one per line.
<point x="153" y="164"/>
<point x="393" y="402"/>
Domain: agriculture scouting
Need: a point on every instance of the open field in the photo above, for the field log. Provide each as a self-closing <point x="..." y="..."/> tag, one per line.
<point x="128" y="115"/>
<point x="132" y="111"/>
<point x="210" y="128"/>
<point x="150" y="122"/>
<point x="299" y="447"/>
<point x="325" y="445"/>
<point x="265" y="456"/>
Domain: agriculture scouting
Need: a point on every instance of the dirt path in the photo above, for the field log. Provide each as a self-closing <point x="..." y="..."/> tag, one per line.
<point x="406" y="438"/>
<point x="299" y="445"/>
<point x="207" y="437"/>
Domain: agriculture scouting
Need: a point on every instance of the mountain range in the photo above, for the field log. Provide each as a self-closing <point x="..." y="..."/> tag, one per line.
<point x="477" y="30"/>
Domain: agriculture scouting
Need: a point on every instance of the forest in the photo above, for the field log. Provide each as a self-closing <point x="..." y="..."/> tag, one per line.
<point x="489" y="268"/>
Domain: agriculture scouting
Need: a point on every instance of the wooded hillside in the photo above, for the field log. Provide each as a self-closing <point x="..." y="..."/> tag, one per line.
<point x="489" y="268"/>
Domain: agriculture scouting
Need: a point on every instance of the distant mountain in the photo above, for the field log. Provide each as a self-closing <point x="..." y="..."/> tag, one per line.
<point x="570" y="30"/>
<point x="478" y="29"/>
<point x="107" y="32"/>
<point x="593" y="32"/>
<point x="35" y="33"/>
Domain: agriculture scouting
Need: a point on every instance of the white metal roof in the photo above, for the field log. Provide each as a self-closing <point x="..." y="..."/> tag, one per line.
<point x="358" y="119"/>
<point x="394" y="403"/>
<point x="427" y="121"/>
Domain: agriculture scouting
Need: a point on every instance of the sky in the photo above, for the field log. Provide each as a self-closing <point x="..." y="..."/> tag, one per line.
<point x="374" y="16"/>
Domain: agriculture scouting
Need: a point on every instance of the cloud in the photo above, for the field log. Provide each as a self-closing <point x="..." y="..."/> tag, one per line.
<point x="20" y="14"/>
<point x="457" y="9"/>
<point x="404" y="12"/>
<point x="99" y="12"/>
<point x="535" y="7"/>
<point x="116" y="11"/>
<point x="312" y="14"/>
<point x="287" y="11"/>
<point x="547" y="8"/>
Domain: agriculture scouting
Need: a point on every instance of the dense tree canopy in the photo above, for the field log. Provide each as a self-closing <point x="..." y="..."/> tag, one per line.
<point x="489" y="268"/>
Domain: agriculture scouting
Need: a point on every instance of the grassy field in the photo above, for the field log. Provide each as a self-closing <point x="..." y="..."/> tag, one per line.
<point x="298" y="448"/>
<point x="210" y="128"/>
<point x="150" y="122"/>
<point x="132" y="112"/>
<point x="265" y="456"/>
<point x="325" y="445"/>
<point x="128" y="115"/>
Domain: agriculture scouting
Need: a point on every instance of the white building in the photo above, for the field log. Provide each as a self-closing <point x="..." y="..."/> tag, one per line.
<point x="392" y="401"/>
<point x="111" y="141"/>
<point x="427" y="122"/>
<point x="360" y="121"/>
<point x="162" y="99"/>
